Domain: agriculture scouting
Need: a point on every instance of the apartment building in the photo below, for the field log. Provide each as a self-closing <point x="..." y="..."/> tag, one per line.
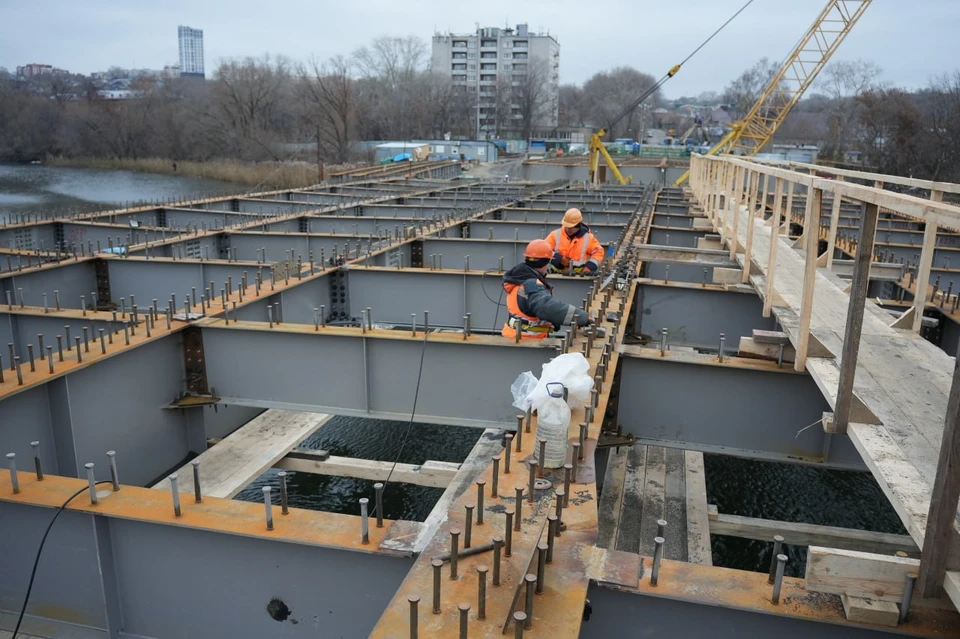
<point x="496" y="61"/>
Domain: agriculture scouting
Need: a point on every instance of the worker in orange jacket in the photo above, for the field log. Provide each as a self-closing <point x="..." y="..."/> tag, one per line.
<point x="575" y="247"/>
<point x="530" y="304"/>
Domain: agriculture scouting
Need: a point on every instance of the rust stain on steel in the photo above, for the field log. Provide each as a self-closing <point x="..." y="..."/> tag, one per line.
<point x="230" y="516"/>
<point x="558" y="610"/>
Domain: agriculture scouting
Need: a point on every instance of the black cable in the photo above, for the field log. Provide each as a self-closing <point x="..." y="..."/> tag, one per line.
<point x="406" y="435"/>
<point x="722" y="26"/>
<point x="43" y="540"/>
<point x="498" y="302"/>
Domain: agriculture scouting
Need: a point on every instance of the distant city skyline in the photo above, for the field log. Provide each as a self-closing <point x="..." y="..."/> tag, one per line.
<point x="911" y="48"/>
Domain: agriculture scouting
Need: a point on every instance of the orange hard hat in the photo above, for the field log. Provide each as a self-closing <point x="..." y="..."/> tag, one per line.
<point x="571" y="218"/>
<point x="538" y="249"/>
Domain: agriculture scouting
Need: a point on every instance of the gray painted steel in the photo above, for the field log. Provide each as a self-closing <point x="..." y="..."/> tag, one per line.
<point x="149" y="280"/>
<point x="109" y="577"/>
<point x="373" y="377"/>
<point x="615" y="612"/>
<point x="21" y="330"/>
<point x="676" y="236"/>
<point x="639" y="174"/>
<point x="679" y="272"/>
<point x="727" y="410"/>
<point x="678" y="220"/>
<point x="72" y="281"/>
<point x="618" y="216"/>
<point x="696" y="317"/>
<point x="535" y="230"/>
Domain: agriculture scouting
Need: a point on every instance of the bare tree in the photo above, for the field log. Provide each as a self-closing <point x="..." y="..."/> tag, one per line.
<point x="532" y="97"/>
<point x="843" y="82"/>
<point x="327" y="93"/>
<point x="390" y="66"/>
<point x="247" y="106"/>
<point x="608" y="93"/>
<point x="743" y="92"/>
<point x="574" y="110"/>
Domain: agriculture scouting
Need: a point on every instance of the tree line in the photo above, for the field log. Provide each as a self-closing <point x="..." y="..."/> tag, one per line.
<point x="250" y="108"/>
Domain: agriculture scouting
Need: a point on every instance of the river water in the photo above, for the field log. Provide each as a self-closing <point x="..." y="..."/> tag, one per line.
<point x="784" y="492"/>
<point x="45" y="189"/>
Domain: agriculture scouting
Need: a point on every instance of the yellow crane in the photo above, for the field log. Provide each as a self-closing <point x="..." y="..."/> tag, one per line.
<point x="786" y="87"/>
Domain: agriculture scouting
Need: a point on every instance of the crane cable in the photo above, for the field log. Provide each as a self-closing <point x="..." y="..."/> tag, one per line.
<point x="672" y="72"/>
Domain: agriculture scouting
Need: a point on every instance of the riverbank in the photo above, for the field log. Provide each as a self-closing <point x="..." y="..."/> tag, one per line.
<point x="260" y="175"/>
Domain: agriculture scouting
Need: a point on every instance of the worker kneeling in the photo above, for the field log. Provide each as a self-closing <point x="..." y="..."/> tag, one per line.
<point x="530" y="304"/>
<point x="575" y="247"/>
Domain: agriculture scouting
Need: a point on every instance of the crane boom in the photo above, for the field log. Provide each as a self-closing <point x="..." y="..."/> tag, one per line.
<point x="794" y="77"/>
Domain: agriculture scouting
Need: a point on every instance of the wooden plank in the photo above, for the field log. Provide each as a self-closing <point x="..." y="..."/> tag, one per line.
<point x="698" y="521"/>
<point x="632" y="509"/>
<point x="860" y="610"/>
<point x="675" y="506"/>
<point x="611" y="498"/>
<point x="812" y="221"/>
<point x="727" y="275"/>
<point x="653" y="497"/>
<point x="851" y="335"/>
<point x="860" y="574"/>
<point x="751" y="216"/>
<point x="923" y="273"/>
<point x="749" y="347"/>
<point x="431" y="473"/>
<point x="834" y="222"/>
<point x="951" y="584"/>
<point x="942" y="515"/>
<point x="489" y="444"/>
<point x="803" y="534"/>
<point x="772" y="251"/>
<point x="246" y="453"/>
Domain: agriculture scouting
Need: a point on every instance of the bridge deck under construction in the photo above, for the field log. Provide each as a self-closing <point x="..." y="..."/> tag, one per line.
<point x="226" y="331"/>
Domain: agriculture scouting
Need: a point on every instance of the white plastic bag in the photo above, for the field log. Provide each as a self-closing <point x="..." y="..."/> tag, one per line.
<point x="521" y="388"/>
<point x="573" y="371"/>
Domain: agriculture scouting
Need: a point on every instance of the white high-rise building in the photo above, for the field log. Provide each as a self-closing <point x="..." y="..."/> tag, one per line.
<point x="191" y="51"/>
<point x="493" y="61"/>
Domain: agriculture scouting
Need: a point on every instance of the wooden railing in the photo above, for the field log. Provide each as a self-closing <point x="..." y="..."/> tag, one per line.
<point x="728" y="187"/>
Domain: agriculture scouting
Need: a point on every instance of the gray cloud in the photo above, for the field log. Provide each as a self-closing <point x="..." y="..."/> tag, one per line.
<point x="912" y="42"/>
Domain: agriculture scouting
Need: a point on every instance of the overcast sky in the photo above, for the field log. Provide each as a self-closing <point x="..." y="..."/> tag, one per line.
<point x="911" y="40"/>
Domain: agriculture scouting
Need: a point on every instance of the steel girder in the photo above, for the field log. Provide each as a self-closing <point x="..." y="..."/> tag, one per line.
<point x="374" y="374"/>
<point x="177" y="581"/>
<point x="728" y="409"/>
<point x="695" y="316"/>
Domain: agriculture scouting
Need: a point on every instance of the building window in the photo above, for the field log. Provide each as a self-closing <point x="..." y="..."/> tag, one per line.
<point x="488" y="55"/>
<point x="472" y="44"/>
<point x="507" y="55"/>
<point x="471" y="67"/>
<point x="488" y="78"/>
<point x="460" y="78"/>
<point x="506" y="67"/>
<point x="488" y="67"/>
<point x="459" y="67"/>
<point x="520" y="56"/>
<point x="520" y="44"/>
<point x="488" y="43"/>
<point x="471" y="56"/>
<point x="459" y="56"/>
<point x="520" y="67"/>
<point x="459" y="43"/>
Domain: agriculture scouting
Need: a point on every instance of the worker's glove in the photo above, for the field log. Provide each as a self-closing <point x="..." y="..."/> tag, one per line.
<point x="557" y="262"/>
<point x="581" y="318"/>
<point x="590" y="268"/>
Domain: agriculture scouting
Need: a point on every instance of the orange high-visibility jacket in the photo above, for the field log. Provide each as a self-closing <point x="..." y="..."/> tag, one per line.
<point x="579" y="249"/>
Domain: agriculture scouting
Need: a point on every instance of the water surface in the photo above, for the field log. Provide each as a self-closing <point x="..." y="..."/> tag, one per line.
<point x="34" y="189"/>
